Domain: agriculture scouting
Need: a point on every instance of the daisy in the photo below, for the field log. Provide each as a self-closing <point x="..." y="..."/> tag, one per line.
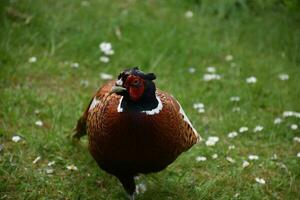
<point x="51" y="163"/>
<point x="201" y="158"/>
<point x="229" y="159"/>
<point x="32" y="59"/>
<point x="291" y="114"/>
<point x="283" y="77"/>
<point x="235" y="98"/>
<point x="245" y="164"/>
<point x="294" y="126"/>
<point x="39" y="123"/>
<point x="16" y="138"/>
<point x="199" y="107"/>
<point x="251" y="80"/>
<point x="189" y="14"/>
<point x="74" y="65"/>
<point x="210" y="77"/>
<point x="104" y="59"/>
<point x="211" y="69"/>
<point x="253" y="157"/>
<point x="191" y="70"/>
<point x="277" y="120"/>
<point x="229" y="57"/>
<point x="106" y="48"/>
<point x="243" y="129"/>
<point x="274" y="157"/>
<point x="211" y="140"/>
<point x="297" y="139"/>
<point x="140" y="188"/>
<point x="258" y="128"/>
<point x="260" y="180"/>
<point x="214" y="156"/>
<point x="232" y="134"/>
<point x="72" y="167"/>
<point x="49" y="171"/>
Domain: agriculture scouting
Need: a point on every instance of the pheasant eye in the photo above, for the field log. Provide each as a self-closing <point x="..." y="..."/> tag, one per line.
<point x="136" y="82"/>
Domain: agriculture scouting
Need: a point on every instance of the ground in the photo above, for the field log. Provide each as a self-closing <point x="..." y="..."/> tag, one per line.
<point x="43" y="93"/>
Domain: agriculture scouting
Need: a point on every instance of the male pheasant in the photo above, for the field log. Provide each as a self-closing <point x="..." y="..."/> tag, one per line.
<point x="135" y="128"/>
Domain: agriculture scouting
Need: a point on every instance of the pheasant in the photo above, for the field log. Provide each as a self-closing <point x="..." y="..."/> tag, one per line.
<point x="134" y="128"/>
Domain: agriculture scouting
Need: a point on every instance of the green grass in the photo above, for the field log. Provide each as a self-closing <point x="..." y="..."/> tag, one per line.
<point x="156" y="36"/>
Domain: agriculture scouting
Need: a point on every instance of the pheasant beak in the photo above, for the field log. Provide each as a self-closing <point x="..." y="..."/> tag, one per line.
<point x="117" y="89"/>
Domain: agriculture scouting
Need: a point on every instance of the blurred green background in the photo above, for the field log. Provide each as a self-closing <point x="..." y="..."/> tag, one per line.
<point x="50" y="67"/>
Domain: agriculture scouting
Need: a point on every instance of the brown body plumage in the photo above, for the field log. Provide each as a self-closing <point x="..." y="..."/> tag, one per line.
<point x="126" y="142"/>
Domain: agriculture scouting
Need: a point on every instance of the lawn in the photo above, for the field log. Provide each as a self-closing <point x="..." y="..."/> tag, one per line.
<point x="50" y="68"/>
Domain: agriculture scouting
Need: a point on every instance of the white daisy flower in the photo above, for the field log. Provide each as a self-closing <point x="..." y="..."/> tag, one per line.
<point x="297" y="139"/>
<point x="245" y="164"/>
<point x="229" y="159"/>
<point x="51" y="163"/>
<point x="251" y="80"/>
<point x="294" y="126"/>
<point x="260" y="180"/>
<point x="232" y="134"/>
<point x="236" y="195"/>
<point x="258" y="128"/>
<point x="291" y="114"/>
<point x="32" y="59"/>
<point x="72" y="167"/>
<point x="235" y="98"/>
<point x="211" y="69"/>
<point x="214" y="156"/>
<point x="210" y="77"/>
<point x="74" y="65"/>
<point x="199" y="107"/>
<point x="298" y="154"/>
<point x="274" y="157"/>
<point x="85" y="3"/>
<point x="191" y="70"/>
<point x="39" y="123"/>
<point x="236" y="109"/>
<point x="105" y="76"/>
<point x="36" y="159"/>
<point x="140" y="188"/>
<point x="49" y="171"/>
<point x="211" y="140"/>
<point x="229" y="57"/>
<point x="277" y="120"/>
<point x="243" y="129"/>
<point x="104" y="59"/>
<point x="106" y="48"/>
<point x="189" y="14"/>
<point x="16" y="138"/>
<point x="230" y="147"/>
<point x="201" y="158"/>
<point x="253" y="157"/>
<point x="283" y="77"/>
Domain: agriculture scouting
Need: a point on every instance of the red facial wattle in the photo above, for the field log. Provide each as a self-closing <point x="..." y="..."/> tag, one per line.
<point x="136" y="93"/>
<point x="135" y="90"/>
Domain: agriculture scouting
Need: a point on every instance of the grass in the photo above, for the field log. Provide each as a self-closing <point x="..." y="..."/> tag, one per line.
<point x="156" y="36"/>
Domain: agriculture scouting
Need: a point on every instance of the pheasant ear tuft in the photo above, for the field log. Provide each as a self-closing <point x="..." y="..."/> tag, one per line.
<point x="150" y="76"/>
